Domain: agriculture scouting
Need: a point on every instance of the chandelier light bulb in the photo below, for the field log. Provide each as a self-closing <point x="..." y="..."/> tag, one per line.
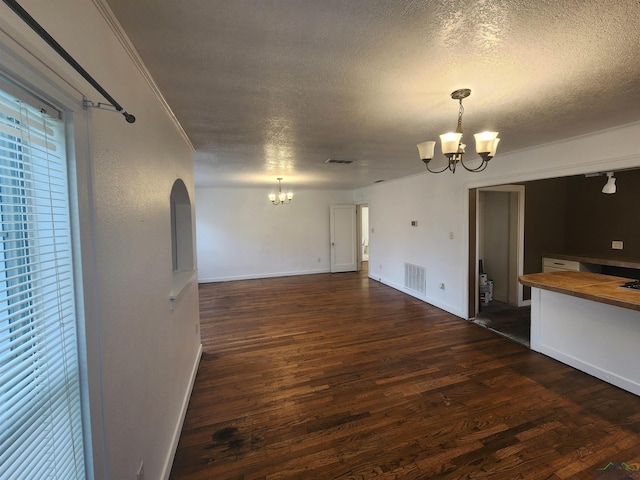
<point x="450" y="142"/>
<point x="485" y="141"/>
<point x="426" y="150"/>
<point x="492" y="153"/>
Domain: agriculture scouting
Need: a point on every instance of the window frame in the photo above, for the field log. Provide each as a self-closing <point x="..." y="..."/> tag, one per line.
<point x="31" y="68"/>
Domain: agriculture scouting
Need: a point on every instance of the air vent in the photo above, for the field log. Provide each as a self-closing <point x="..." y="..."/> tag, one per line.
<point x="378" y="181"/>
<point x="338" y="161"/>
<point x="415" y="278"/>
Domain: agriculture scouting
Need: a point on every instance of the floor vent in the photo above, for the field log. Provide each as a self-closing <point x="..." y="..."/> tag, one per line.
<point x="415" y="278"/>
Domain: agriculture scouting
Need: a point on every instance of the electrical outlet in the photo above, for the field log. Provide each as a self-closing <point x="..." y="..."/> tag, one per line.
<point x="318" y="259"/>
<point x="450" y="235"/>
<point x="140" y="474"/>
<point x="616" y="245"/>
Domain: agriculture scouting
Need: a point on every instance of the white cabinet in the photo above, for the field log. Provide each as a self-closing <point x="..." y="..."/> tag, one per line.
<point x="550" y="264"/>
<point x="555" y="264"/>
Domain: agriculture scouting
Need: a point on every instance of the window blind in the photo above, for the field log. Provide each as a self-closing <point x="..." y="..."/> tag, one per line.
<point x="40" y="405"/>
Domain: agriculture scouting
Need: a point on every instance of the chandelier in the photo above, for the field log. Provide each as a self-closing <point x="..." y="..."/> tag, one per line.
<point x="453" y="148"/>
<point x="281" y="198"/>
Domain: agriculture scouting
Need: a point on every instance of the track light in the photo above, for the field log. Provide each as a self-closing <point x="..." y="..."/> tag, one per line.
<point x="610" y="186"/>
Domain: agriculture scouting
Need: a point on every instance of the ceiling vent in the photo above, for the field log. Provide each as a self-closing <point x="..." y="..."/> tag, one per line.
<point x="338" y="161"/>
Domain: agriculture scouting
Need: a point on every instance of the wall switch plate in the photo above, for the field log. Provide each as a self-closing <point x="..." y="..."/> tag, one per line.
<point x="616" y="245"/>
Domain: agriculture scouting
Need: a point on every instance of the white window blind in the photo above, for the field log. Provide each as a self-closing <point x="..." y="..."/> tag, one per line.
<point x="40" y="410"/>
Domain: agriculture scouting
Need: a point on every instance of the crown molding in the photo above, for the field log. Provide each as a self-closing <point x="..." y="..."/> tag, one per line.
<point x="131" y="51"/>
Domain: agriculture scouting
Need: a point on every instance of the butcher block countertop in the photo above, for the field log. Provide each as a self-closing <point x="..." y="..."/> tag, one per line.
<point x="590" y="286"/>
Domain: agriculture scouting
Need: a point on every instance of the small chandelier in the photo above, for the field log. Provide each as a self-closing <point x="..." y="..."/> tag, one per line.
<point x="281" y="198"/>
<point x="453" y="148"/>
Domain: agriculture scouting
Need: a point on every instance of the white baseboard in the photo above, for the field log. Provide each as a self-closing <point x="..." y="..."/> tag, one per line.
<point x="436" y="303"/>
<point x="593" y="370"/>
<point x="166" y="471"/>
<point x="261" y="275"/>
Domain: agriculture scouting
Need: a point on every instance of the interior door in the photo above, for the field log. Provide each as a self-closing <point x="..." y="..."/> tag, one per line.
<point x="344" y="254"/>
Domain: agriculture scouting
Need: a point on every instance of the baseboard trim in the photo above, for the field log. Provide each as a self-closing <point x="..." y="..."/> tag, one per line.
<point x="166" y="471"/>
<point x="431" y="301"/>
<point x="593" y="370"/>
<point x="261" y="275"/>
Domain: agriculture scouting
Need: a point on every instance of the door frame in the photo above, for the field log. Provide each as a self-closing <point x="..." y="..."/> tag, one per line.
<point x="474" y="224"/>
<point x="359" y="233"/>
<point x="346" y="267"/>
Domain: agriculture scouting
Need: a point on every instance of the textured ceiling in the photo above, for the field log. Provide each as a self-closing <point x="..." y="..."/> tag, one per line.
<point x="268" y="88"/>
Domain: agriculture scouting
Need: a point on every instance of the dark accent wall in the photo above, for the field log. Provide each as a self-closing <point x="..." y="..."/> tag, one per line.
<point x="571" y="215"/>
<point x="595" y="219"/>
<point x="545" y="221"/>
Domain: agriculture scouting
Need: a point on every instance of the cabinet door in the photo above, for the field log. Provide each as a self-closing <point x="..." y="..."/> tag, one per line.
<point x="560" y="264"/>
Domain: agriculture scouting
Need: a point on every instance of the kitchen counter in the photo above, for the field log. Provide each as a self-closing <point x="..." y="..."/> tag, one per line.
<point x="590" y="286"/>
<point x="584" y="320"/>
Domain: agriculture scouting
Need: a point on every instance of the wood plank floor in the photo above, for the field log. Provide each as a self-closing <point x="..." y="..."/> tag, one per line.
<point x="340" y="377"/>
<point x="511" y="322"/>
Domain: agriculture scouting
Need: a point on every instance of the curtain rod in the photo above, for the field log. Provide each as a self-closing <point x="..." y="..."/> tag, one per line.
<point x="36" y="27"/>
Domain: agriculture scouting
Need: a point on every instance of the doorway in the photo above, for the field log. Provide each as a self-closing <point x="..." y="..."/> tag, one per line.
<point x="343" y="233"/>
<point x="362" y="215"/>
<point x="496" y="245"/>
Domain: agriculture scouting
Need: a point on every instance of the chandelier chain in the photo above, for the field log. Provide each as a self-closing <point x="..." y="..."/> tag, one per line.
<point x="460" y="112"/>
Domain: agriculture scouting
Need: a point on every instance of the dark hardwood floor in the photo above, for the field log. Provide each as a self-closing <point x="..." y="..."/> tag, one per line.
<point x="511" y="322"/>
<point x="340" y="377"/>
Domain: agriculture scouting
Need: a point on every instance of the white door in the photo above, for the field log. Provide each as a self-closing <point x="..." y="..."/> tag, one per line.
<point x="344" y="255"/>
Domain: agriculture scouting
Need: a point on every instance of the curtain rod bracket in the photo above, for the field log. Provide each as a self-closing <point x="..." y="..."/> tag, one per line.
<point x="107" y="106"/>
<point x="37" y="28"/>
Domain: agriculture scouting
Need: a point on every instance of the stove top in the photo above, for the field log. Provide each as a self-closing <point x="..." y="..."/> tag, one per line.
<point x="633" y="285"/>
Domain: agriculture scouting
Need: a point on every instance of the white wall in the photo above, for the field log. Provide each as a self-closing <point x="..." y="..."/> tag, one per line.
<point x="241" y="235"/>
<point x="141" y="356"/>
<point x="440" y="204"/>
<point x="496" y="241"/>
